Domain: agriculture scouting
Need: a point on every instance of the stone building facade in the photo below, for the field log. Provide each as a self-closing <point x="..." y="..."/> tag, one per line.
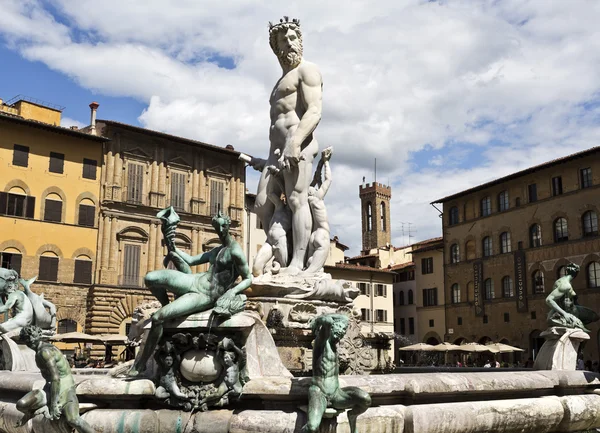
<point x="49" y="201"/>
<point x="507" y="241"/>
<point x="144" y="171"/>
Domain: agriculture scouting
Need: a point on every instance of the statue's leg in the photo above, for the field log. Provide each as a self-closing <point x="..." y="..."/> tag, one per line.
<point x="263" y="206"/>
<point x="19" y="321"/>
<point x="297" y="198"/>
<point x="352" y="397"/>
<point x="71" y="414"/>
<point x="30" y="403"/>
<point x="262" y="257"/>
<point x="182" y="306"/>
<point x="168" y="280"/>
<point x="318" y="250"/>
<point x="317" y="403"/>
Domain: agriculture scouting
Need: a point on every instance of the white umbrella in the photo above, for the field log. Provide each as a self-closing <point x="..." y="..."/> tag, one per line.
<point x="445" y="347"/>
<point x="113" y="339"/>
<point x="477" y="348"/>
<point x="504" y="348"/>
<point x="419" y="347"/>
<point x="76" y="337"/>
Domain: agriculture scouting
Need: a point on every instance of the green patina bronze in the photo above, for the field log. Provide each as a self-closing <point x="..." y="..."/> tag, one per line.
<point x="325" y="389"/>
<point x="563" y="309"/>
<point x="195" y="292"/>
<point x="58" y="398"/>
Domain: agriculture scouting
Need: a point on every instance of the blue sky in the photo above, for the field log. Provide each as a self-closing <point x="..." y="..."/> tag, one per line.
<point x="446" y="95"/>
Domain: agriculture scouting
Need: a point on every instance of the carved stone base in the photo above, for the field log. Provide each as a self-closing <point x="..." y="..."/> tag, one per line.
<point x="559" y="352"/>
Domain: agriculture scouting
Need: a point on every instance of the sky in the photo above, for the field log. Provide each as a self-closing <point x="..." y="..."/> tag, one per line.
<point x="445" y="95"/>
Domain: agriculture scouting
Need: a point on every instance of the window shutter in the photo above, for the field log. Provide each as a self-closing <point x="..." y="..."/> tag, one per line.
<point x="131" y="265"/>
<point x="87" y="215"/>
<point x="89" y="168"/>
<point x="57" y="162"/>
<point x="48" y="268"/>
<point x="368" y="289"/>
<point x="3" y="202"/>
<point x="385" y="316"/>
<point x="385" y="290"/>
<point x="53" y="210"/>
<point x="83" y="272"/>
<point x="29" y="207"/>
<point x="135" y="183"/>
<point x="15" y="262"/>
<point x="435" y="301"/>
<point x="21" y="155"/>
<point x="178" y="181"/>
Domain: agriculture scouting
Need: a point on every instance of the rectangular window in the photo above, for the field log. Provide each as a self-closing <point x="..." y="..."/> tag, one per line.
<point x="429" y="297"/>
<point x="503" y="201"/>
<point x="485" y="318"/>
<point x="533" y="315"/>
<point x="532" y="190"/>
<point x="178" y="181"/>
<point x="365" y="314"/>
<point x="364" y="288"/>
<point x="585" y="175"/>
<point x="87" y="215"/>
<point x="411" y="325"/>
<point x="431" y="323"/>
<point x="427" y="265"/>
<point x="20" y="155"/>
<point x="216" y="196"/>
<point x="57" y="162"/>
<point x="11" y="261"/>
<point x="83" y="272"/>
<point x="486" y="206"/>
<point x="557" y="185"/>
<point x="381" y="315"/>
<point x="459" y="320"/>
<point x="17" y="205"/>
<point x="48" y="268"/>
<point x="135" y="183"/>
<point x="506" y="317"/>
<point x="89" y="168"/>
<point x="131" y="265"/>
<point x="52" y="210"/>
<point x="381" y="290"/>
<point x="402" y="326"/>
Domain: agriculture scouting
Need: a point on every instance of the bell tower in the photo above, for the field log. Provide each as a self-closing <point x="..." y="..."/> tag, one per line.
<point x="375" y="214"/>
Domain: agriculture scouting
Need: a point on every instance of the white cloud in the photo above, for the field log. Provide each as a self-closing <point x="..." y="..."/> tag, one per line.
<point x="399" y="77"/>
<point x="67" y="122"/>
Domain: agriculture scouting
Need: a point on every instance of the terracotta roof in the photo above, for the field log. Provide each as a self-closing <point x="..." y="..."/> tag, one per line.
<point x="517" y="174"/>
<point x="360" y="268"/>
<point x="427" y="242"/>
<point x="169" y="136"/>
<point x="429" y="247"/>
<point x="401" y="266"/>
<point x="339" y="244"/>
<point x="52" y="128"/>
<point x="364" y="256"/>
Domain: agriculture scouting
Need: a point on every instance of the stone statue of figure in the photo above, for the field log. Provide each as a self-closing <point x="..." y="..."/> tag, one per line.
<point x="318" y="245"/>
<point x="295" y="113"/>
<point x="15" y="300"/>
<point x="27" y="307"/>
<point x="563" y="310"/>
<point x="276" y="246"/>
<point x="58" y="398"/>
<point x="194" y="292"/>
<point x="325" y="389"/>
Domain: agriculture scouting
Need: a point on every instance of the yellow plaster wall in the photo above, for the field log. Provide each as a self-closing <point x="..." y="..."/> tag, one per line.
<point x="36" y="112"/>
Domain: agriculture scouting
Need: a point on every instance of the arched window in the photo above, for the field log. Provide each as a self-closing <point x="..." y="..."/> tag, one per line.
<point x="561" y="231"/>
<point x="401" y="298"/>
<point x="453" y="216"/>
<point x="369" y="217"/>
<point x="454" y="254"/>
<point x="590" y="223"/>
<point x="593" y="274"/>
<point x="535" y="236"/>
<point x="507" y="287"/>
<point x="538" y="282"/>
<point x="410" y="297"/>
<point x="83" y="270"/>
<point x="505" y="246"/>
<point x="53" y="206"/>
<point x="87" y="213"/>
<point x="562" y="271"/>
<point x="503" y="202"/>
<point x="48" y="267"/>
<point x="382" y="217"/>
<point x="66" y="325"/>
<point x="455" y="293"/>
<point x="487" y="246"/>
<point x="11" y="258"/>
<point x="486" y="207"/>
<point x="489" y="289"/>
